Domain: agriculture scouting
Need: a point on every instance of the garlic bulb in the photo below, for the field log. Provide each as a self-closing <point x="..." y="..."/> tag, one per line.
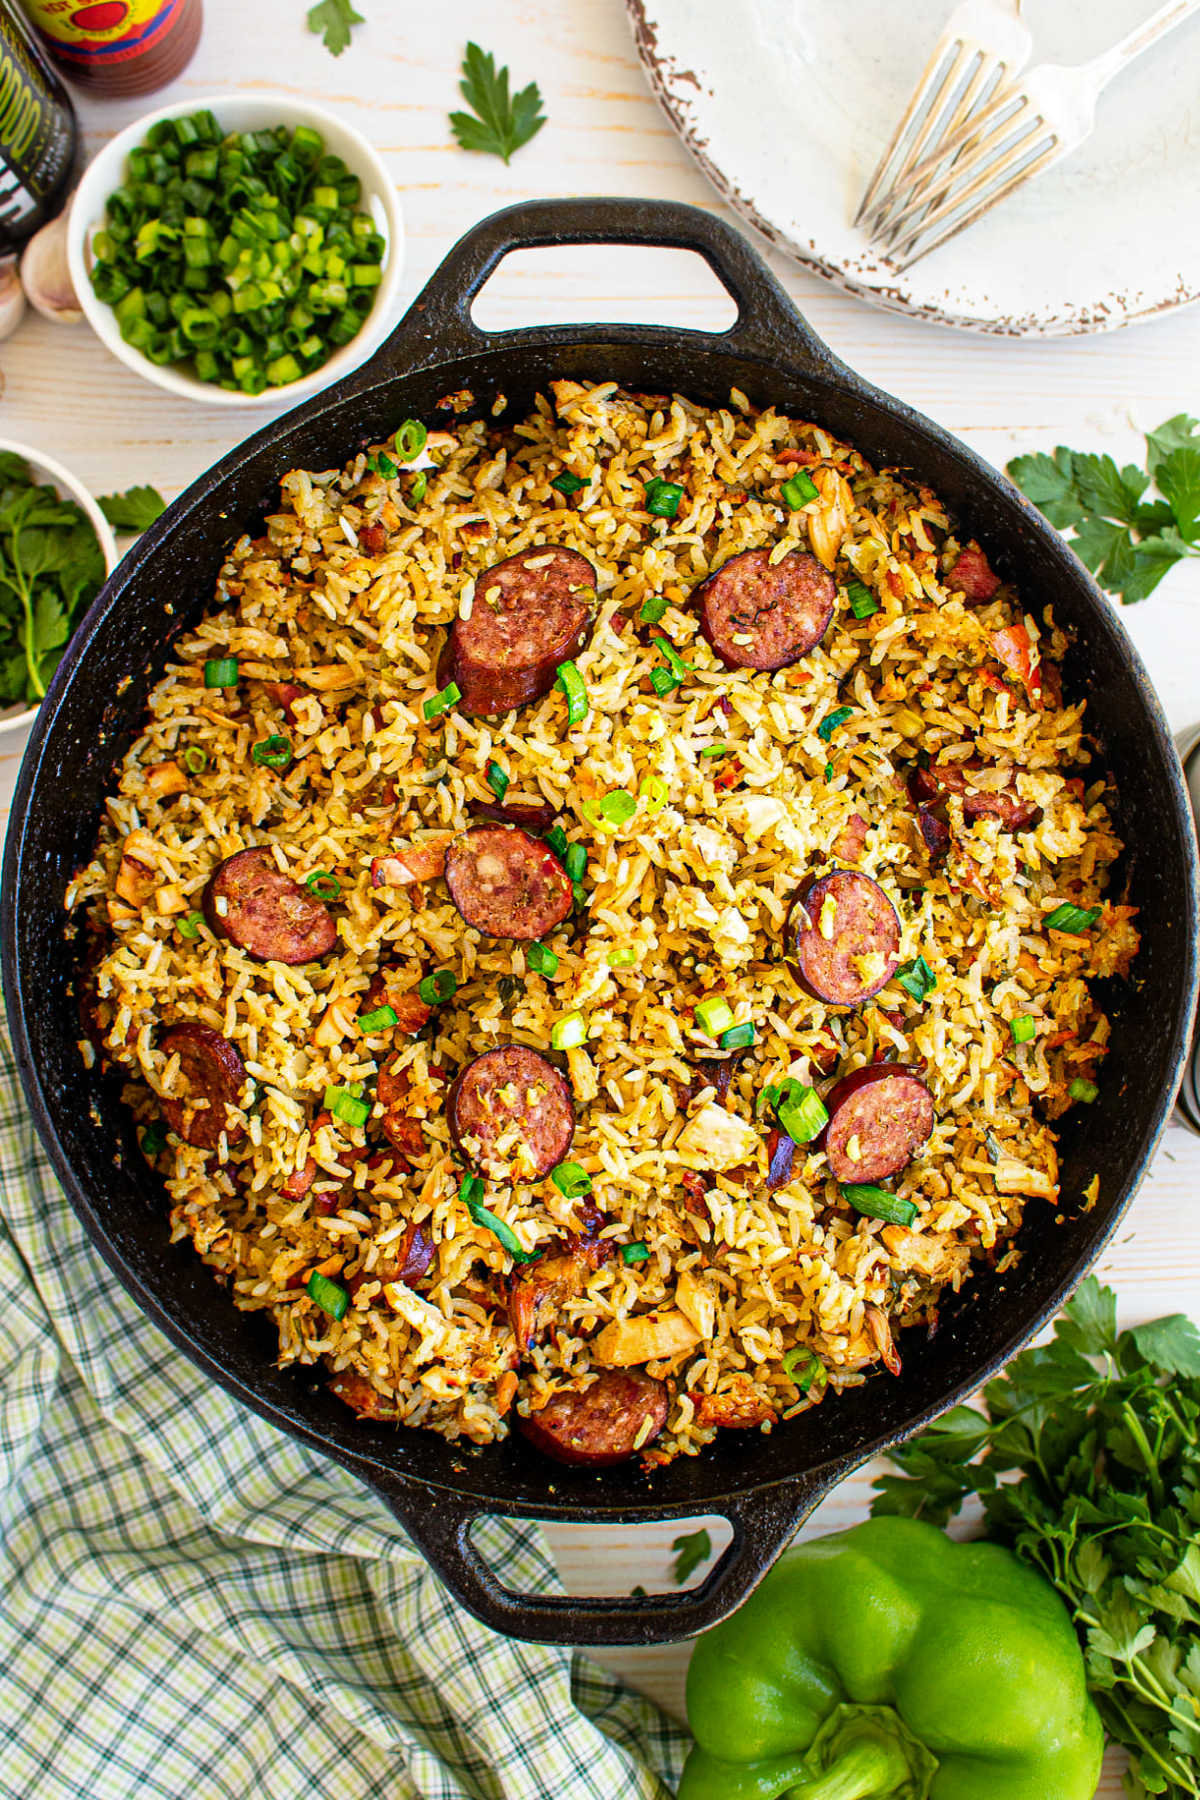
<point x="12" y="297"/>
<point x="45" y="277"/>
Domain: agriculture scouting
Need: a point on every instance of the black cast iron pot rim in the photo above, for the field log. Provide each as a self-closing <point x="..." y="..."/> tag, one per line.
<point x="438" y="335"/>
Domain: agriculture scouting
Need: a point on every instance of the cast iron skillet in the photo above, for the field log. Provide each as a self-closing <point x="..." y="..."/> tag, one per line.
<point x="765" y="1485"/>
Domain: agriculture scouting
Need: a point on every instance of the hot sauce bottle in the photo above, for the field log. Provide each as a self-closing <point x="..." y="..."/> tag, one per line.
<point x="37" y="135"/>
<point x="118" y="47"/>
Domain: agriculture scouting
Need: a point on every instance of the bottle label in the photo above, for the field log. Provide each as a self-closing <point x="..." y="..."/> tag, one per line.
<point x="35" y="145"/>
<point x="97" y="32"/>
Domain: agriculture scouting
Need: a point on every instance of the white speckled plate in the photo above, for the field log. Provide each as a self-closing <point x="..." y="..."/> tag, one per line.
<point x="787" y="104"/>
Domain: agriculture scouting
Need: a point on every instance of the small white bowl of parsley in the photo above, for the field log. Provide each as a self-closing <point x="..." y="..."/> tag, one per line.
<point x="56" y="550"/>
<point x="244" y="249"/>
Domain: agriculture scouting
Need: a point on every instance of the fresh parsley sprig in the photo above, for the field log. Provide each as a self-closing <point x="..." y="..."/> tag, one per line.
<point x="134" y="510"/>
<point x="691" y="1549"/>
<point x="51" y="567"/>
<point x="1087" y="1462"/>
<point x="495" y="125"/>
<point x="1127" y="541"/>
<point x="334" y="20"/>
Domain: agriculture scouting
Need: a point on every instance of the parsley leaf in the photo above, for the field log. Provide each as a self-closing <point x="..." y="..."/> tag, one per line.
<point x="335" y="19"/>
<point x="1128" y="542"/>
<point x="495" y="125"/>
<point x="134" y="510"/>
<point x="692" y="1549"/>
<point x="1087" y="1462"/>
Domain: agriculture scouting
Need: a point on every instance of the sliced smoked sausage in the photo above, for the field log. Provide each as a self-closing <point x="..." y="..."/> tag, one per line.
<point x="511" y="1114"/>
<point x="266" y="914"/>
<point x="878" y="1119"/>
<point x="529" y="613"/>
<point x="1005" y="804"/>
<point x="845" y="937"/>
<point x="214" y="1073"/>
<point x="762" y="615"/>
<point x="507" y="883"/>
<point x="622" y="1412"/>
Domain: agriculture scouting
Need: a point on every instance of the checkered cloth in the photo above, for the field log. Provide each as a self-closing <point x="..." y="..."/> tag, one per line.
<point x="196" y="1607"/>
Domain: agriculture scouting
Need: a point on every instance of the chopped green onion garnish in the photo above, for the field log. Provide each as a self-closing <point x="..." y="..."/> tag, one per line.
<point x="634" y="1253"/>
<point x="497" y="780"/>
<point x="1023" y="1028"/>
<point x="1076" y="919"/>
<point x="654" y="791"/>
<point x="556" y="840"/>
<point x="678" y="667"/>
<point x="663" y="682"/>
<point x="273" y="752"/>
<point x="862" y="601"/>
<point x="574" y="861"/>
<point x="438" y="987"/>
<point x="714" y="1015"/>
<point x="799" y="490"/>
<point x="572" y="1180"/>
<point x="189" y="925"/>
<point x="420" y="483"/>
<point x="828" y="773"/>
<point x="324" y="885"/>
<point x="829" y="725"/>
<point x="624" y="957"/>
<point x="221" y="672"/>
<point x="618" y="807"/>
<point x="195" y="760"/>
<point x="344" y="1103"/>
<point x="1082" y="1089"/>
<point x="569" y="1031"/>
<point x="330" y="1296"/>
<point x="663" y="497"/>
<point x="568" y="484"/>
<point x="580" y="892"/>
<point x="878" y="1203"/>
<point x="716" y="750"/>
<point x="382" y="1019"/>
<point x="541" y="960"/>
<point x="805" y="1368"/>
<point x="570" y="682"/>
<point x="471" y="1195"/>
<point x="410" y="439"/>
<point x="442" y="701"/>
<point x="382" y="464"/>
<point x="917" y="978"/>
<point x="801" y="1112"/>
<point x="738" y="1037"/>
<point x="653" y="609"/>
<point x="154" y="1138"/>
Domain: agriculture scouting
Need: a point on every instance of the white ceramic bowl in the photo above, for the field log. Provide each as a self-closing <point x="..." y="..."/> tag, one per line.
<point x="45" y="469"/>
<point x="240" y="112"/>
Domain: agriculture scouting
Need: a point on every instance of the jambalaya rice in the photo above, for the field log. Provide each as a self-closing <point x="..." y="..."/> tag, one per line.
<point x="746" y="783"/>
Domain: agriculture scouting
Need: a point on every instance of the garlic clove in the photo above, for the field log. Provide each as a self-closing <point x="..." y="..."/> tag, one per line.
<point x="45" y="276"/>
<point x="12" y="297"/>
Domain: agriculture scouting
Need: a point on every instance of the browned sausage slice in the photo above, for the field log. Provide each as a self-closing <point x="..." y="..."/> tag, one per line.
<point x="1005" y="804"/>
<point x="213" y="1071"/>
<point x="266" y="914"/>
<point x="973" y="575"/>
<point x="762" y="615"/>
<point x="878" y="1119"/>
<point x="845" y="937"/>
<point x="620" y="1413"/>
<point x="529" y="613"/>
<point x="507" y="883"/>
<point x="511" y="1114"/>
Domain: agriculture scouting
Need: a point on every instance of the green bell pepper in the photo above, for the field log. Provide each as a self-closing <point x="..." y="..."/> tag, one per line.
<point x="891" y="1663"/>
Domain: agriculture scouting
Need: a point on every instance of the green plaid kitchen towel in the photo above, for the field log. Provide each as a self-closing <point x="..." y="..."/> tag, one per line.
<point x="196" y="1607"/>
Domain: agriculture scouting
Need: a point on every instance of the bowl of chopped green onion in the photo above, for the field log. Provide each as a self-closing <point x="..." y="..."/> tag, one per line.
<point x="248" y="247"/>
<point x="56" y="549"/>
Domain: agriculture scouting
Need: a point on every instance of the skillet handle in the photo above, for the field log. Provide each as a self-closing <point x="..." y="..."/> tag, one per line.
<point x="763" y="1522"/>
<point x="439" y="327"/>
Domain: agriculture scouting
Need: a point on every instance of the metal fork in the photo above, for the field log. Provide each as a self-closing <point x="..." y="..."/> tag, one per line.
<point x="1022" y="129"/>
<point x="983" y="46"/>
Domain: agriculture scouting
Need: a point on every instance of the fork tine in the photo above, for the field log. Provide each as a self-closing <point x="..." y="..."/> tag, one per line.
<point x="974" y="102"/>
<point x="974" y="169"/>
<point x="959" y="149"/>
<point x="919" y="117"/>
<point x="916" y="247"/>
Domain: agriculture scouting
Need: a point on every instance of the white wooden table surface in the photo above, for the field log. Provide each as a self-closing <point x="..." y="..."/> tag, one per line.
<point x="397" y="82"/>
